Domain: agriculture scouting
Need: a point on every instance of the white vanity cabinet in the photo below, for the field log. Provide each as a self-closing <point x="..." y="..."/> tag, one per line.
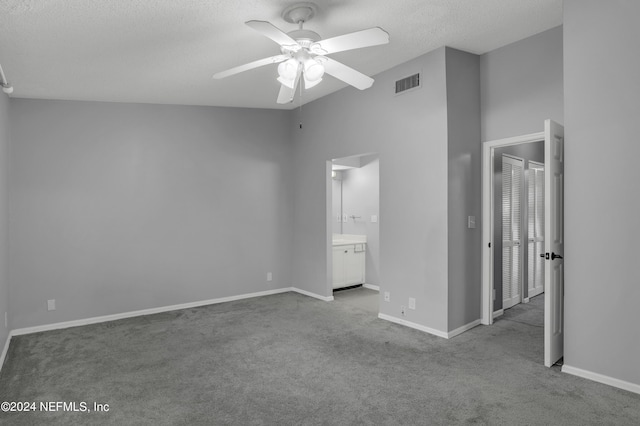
<point x="348" y="264"/>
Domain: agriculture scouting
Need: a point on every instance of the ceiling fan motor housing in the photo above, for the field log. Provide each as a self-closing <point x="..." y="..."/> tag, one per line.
<point x="304" y="37"/>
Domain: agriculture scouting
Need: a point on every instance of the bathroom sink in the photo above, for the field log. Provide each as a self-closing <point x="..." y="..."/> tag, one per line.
<point x="346" y="239"/>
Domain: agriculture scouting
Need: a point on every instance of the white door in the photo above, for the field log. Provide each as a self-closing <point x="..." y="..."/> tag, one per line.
<point x="339" y="265"/>
<point x="554" y="243"/>
<point x="536" y="229"/>
<point x="355" y="265"/>
<point x="512" y="190"/>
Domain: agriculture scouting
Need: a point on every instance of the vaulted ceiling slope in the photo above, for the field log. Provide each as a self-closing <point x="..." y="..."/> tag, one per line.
<point x="165" y="51"/>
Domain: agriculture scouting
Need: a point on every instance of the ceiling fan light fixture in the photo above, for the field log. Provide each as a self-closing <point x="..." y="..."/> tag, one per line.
<point x="309" y="84"/>
<point x="288" y="69"/>
<point x="313" y="70"/>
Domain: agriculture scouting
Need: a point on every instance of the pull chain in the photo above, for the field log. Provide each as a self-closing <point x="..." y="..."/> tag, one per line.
<point x="300" y="113"/>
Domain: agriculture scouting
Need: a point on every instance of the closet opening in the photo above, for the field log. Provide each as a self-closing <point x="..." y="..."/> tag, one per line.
<point x="523" y="234"/>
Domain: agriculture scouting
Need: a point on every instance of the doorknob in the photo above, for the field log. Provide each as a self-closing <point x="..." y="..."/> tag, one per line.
<point x="555" y="256"/>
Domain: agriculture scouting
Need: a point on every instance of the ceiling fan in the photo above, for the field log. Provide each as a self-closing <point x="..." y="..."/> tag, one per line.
<point x="302" y="53"/>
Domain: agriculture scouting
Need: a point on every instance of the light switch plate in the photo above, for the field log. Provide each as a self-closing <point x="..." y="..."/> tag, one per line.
<point x="374" y="218"/>
<point x="471" y="222"/>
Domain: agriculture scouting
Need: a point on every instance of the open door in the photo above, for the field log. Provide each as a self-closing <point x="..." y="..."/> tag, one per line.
<point x="554" y="243"/>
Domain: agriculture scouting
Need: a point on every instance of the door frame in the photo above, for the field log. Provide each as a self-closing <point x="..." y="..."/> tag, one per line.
<point x="329" y="221"/>
<point x="488" y="161"/>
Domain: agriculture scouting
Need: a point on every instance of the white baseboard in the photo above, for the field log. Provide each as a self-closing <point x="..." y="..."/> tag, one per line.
<point x="314" y="295"/>
<point x="498" y="313"/>
<point x="446" y="335"/>
<point x="113" y="317"/>
<point x="5" y="350"/>
<point x="413" y="325"/>
<point x="460" y="330"/>
<point x="601" y="378"/>
<point x="371" y="287"/>
<point x="534" y="292"/>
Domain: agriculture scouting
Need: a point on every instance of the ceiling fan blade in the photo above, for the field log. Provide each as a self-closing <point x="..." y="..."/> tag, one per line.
<point x="274" y="33"/>
<point x="287" y="93"/>
<point x="251" y="65"/>
<point x="365" y="38"/>
<point x="346" y="74"/>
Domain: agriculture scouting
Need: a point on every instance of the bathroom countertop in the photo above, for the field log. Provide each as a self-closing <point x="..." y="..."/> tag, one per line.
<point x="347" y="239"/>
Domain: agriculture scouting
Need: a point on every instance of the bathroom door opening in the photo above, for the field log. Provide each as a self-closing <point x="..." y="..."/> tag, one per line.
<point x="353" y="228"/>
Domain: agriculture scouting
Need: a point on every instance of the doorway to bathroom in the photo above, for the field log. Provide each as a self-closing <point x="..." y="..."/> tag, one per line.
<point x="354" y="227"/>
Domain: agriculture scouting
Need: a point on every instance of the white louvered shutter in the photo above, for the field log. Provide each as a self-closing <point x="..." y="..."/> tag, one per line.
<point x="512" y="189"/>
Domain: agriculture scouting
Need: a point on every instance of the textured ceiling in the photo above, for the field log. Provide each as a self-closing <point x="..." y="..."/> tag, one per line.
<point x="165" y="51"/>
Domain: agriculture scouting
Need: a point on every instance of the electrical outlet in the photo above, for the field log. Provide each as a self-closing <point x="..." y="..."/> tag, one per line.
<point x="402" y="310"/>
<point x="51" y="305"/>
<point x="387" y="296"/>
<point x="412" y="303"/>
<point x="269" y="276"/>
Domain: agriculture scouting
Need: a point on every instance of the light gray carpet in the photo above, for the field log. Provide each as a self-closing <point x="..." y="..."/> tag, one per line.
<point x="531" y="313"/>
<point x="288" y="359"/>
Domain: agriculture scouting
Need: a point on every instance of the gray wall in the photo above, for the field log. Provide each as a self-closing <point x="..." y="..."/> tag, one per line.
<point x="529" y="152"/>
<point x="120" y="207"/>
<point x="361" y="197"/>
<point x="4" y="276"/>
<point x="464" y="187"/>
<point x="409" y="132"/>
<point x="521" y="86"/>
<point x="602" y="201"/>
